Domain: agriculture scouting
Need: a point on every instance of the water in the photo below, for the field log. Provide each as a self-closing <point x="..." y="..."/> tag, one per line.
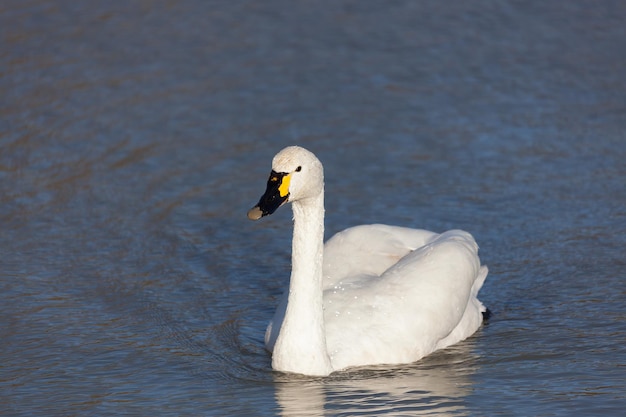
<point x="134" y="137"/>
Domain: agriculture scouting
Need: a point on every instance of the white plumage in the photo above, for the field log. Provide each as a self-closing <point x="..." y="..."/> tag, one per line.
<point x="373" y="294"/>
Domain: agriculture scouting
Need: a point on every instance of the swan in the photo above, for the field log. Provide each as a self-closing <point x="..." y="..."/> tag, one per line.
<point x="373" y="294"/>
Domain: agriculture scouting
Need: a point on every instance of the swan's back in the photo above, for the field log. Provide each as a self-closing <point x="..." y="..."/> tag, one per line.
<point x="369" y="249"/>
<point x="394" y="295"/>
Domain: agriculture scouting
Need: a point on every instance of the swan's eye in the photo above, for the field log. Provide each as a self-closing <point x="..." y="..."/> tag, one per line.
<point x="299" y="169"/>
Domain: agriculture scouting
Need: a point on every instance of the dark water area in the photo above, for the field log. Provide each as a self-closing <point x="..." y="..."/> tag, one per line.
<point x="134" y="137"/>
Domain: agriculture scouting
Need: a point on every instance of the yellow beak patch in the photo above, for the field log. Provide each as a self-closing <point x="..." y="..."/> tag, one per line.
<point x="283" y="188"/>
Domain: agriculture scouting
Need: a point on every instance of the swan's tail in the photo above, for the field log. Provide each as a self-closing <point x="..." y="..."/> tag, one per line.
<point x="480" y="279"/>
<point x="478" y="283"/>
<point x="474" y="315"/>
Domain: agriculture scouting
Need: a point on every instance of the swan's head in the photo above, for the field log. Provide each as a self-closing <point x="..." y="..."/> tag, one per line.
<point x="296" y="174"/>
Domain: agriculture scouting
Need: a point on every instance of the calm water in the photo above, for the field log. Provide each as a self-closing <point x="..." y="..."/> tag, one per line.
<point x="134" y="136"/>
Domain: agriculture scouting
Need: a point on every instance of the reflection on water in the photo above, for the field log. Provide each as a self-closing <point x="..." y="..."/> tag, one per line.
<point x="134" y="136"/>
<point x="439" y="384"/>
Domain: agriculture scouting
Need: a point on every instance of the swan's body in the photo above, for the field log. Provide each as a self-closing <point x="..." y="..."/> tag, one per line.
<point x="374" y="294"/>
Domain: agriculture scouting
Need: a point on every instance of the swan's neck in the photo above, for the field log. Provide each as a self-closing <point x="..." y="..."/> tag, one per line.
<point x="301" y="343"/>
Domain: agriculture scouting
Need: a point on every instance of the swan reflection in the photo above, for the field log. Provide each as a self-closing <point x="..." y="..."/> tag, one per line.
<point x="437" y="384"/>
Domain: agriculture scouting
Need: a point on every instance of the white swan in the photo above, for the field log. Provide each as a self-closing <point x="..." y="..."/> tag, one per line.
<point x="374" y="294"/>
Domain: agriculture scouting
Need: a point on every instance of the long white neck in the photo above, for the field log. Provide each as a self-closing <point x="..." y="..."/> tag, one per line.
<point x="301" y="343"/>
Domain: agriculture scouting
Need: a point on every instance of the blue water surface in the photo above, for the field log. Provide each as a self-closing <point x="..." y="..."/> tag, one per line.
<point x="134" y="137"/>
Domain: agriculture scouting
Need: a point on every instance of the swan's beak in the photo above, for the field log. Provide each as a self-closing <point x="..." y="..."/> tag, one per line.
<point x="276" y="194"/>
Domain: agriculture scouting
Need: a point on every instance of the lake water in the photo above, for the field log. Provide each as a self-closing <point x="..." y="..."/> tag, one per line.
<point x="134" y="137"/>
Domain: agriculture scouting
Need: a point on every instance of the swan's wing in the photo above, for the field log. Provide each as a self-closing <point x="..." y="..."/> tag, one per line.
<point x="368" y="250"/>
<point x="423" y="302"/>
